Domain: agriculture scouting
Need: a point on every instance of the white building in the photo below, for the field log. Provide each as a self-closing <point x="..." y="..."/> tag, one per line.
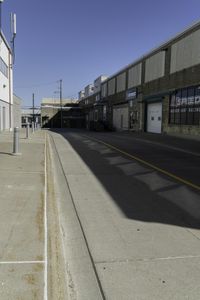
<point x="6" y="85"/>
<point x="98" y="82"/>
<point x="89" y="90"/>
<point x="81" y="95"/>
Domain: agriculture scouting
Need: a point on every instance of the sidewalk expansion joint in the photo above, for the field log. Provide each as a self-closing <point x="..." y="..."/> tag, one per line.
<point x="147" y="259"/>
<point x="22" y="172"/>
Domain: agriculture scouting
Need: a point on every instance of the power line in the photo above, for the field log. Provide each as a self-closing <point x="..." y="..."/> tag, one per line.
<point x="35" y="85"/>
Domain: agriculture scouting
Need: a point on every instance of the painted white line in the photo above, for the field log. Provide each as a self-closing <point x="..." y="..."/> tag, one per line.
<point x="45" y="223"/>
<point x="22" y="262"/>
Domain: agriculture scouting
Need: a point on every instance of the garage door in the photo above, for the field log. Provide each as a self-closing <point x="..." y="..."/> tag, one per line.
<point x="120" y="118"/>
<point x="154" y="117"/>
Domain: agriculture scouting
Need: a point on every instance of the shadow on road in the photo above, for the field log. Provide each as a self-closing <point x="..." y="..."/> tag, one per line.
<point x="173" y="204"/>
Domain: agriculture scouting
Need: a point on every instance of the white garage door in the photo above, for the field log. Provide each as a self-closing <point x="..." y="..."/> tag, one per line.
<point x="154" y="117"/>
<point x="120" y="118"/>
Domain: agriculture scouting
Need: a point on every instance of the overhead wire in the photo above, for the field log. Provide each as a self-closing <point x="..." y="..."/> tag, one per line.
<point x="35" y="85"/>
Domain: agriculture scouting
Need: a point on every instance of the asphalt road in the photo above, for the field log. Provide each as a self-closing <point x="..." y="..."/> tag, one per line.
<point x="174" y="155"/>
<point x="156" y="163"/>
<point x="138" y="203"/>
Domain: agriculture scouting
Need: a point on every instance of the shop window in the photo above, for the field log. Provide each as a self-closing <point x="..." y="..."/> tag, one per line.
<point x="197" y="106"/>
<point x="190" y="106"/>
<point x="177" y="118"/>
<point x="185" y="106"/>
<point x="172" y="109"/>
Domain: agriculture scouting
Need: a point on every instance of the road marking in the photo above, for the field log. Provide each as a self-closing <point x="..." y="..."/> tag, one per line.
<point x="45" y="223"/>
<point x="22" y="262"/>
<point x="177" y="178"/>
<point x="159" y="144"/>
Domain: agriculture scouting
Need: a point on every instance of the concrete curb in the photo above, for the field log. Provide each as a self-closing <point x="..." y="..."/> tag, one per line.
<point x="82" y="279"/>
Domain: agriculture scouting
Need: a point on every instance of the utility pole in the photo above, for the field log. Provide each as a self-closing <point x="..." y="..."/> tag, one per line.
<point x="61" y="111"/>
<point x="33" y="108"/>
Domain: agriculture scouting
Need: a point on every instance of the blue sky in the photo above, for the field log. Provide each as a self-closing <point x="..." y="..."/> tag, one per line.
<point x="78" y="40"/>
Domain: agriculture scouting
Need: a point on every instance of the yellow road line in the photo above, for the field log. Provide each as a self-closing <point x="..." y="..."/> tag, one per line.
<point x="177" y="178"/>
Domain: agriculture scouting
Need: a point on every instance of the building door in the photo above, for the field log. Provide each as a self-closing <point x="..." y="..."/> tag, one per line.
<point x="154" y="117"/>
<point x="120" y="118"/>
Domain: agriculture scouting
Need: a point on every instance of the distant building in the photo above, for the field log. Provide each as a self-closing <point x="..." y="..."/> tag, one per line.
<point x="67" y="114"/>
<point x="29" y="115"/>
<point x="6" y="85"/>
<point x="81" y="95"/>
<point x="89" y="90"/>
<point x="98" y="82"/>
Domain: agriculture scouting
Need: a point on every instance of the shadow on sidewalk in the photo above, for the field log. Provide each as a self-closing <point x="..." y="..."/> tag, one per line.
<point x="6" y="153"/>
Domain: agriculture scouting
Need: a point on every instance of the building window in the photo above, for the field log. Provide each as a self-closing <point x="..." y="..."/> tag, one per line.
<point x="3" y="67"/>
<point x="185" y="106"/>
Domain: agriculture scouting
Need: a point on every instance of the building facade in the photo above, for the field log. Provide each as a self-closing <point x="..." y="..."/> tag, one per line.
<point x="30" y="115"/>
<point x="61" y="114"/>
<point x="158" y="93"/>
<point x="6" y="85"/>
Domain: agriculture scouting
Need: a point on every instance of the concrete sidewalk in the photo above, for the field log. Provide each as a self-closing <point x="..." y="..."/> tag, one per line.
<point x="22" y="234"/>
<point x="63" y="236"/>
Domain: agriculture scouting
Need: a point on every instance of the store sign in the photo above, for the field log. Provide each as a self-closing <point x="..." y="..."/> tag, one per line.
<point x="131" y="94"/>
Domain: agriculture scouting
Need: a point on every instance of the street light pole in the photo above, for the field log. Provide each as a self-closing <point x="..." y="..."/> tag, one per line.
<point x="61" y="112"/>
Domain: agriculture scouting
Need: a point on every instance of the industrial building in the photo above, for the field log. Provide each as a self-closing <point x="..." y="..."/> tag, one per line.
<point x="65" y="113"/>
<point x="6" y="85"/>
<point x="29" y="115"/>
<point x="158" y="93"/>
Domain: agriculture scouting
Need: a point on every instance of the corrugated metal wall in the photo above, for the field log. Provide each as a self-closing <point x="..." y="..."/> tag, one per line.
<point x="155" y="66"/>
<point x="104" y="90"/>
<point x="186" y="52"/>
<point x="134" y="76"/>
<point x="121" y="82"/>
<point x="111" y="87"/>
